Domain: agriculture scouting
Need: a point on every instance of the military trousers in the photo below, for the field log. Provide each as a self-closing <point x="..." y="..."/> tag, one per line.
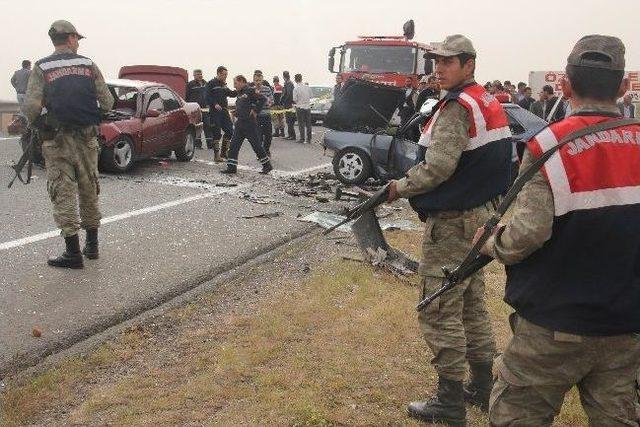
<point x="456" y="326"/>
<point x="540" y="366"/>
<point x="71" y="160"/>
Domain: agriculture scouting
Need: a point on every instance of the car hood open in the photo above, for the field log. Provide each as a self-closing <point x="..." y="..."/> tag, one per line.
<point x="361" y="106"/>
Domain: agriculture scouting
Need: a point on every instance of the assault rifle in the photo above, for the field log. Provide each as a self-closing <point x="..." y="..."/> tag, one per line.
<point x="378" y="198"/>
<point x="26" y="159"/>
<point x="473" y="261"/>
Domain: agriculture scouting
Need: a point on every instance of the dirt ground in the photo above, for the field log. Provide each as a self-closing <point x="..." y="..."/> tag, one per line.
<point x="310" y="339"/>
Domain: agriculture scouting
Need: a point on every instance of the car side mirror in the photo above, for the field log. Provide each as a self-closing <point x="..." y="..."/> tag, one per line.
<point x="428" y="64"/>
<point x="152" y="113"/>
<point x="427" y="107"/>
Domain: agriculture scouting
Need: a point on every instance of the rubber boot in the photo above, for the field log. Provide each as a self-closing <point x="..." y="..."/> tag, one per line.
<point x="478" y="390"/>
<point x="216" y="152"/>
<point x="91" y="244"/>
<point x="224" y="150"/>
<point x="71" y="257"/>
<point x="266" y="168"/>
<point x="230" y="170"/>
<point x="446" y="407"/>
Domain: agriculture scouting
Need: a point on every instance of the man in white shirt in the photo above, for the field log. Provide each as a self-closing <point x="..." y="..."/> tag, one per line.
<point x="302" y="101"/>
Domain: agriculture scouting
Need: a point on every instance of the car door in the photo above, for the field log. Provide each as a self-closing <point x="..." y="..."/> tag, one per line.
<point x="154" y="129"/>
<point x="177" y="119"/>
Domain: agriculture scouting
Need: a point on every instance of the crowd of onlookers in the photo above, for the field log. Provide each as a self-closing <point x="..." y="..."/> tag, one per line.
<point x="547" y="105"/>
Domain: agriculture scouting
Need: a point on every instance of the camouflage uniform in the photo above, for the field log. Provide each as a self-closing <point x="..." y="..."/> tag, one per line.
<point x="539" y="365"/>
<point x="456" y="327"/>
<point x="71" y="159"/>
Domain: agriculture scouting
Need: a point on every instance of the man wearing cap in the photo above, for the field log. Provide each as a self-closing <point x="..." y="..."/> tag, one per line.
<point x="464" y="164"/>
<point x="571" y="248"/>
<point x="70" y="87"/>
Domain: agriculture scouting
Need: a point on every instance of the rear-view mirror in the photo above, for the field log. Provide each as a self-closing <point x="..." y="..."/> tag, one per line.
<point x="427" y="107"/>
<point x="152" y="113"/>
<point x="332" y="59"/>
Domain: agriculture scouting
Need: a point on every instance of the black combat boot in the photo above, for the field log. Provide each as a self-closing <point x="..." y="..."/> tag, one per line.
<point x="230" y="170"/>
<point x="91" y="244"/>
<point x="224" y="149"/>
<point x="71" y="257"/>
<point x="266" y="168"/>
<point x="446" y="407"/>
<point x="478" y="389"/>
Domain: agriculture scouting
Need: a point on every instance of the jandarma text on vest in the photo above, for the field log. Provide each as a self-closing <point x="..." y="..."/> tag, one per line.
<point x="608" y="136"/>
<point x="67" y="71"/>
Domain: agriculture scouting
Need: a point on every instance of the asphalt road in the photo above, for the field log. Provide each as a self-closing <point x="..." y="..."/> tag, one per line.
<point x="166" y="228"/>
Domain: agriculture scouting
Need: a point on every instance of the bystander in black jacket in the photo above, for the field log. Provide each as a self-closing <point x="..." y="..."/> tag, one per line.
<point x="559" y="113"/>
<point x="217" y="93"/>
<point x="287" y="94"/>
<point x="196" y="92"/>
<point x="526" y="102"/>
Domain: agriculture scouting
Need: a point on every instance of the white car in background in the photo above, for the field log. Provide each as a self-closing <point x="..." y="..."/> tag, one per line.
<point x="321" y="100"/>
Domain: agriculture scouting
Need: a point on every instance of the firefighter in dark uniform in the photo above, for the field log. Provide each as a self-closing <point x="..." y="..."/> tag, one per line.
<point x="248" y="105"/>
<point x="216" y="97"/>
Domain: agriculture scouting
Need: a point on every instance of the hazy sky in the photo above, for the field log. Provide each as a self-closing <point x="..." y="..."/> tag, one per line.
<point x="512" y="37"/>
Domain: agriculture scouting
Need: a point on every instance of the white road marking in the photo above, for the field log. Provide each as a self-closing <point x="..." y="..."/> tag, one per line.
<point x="212" y="190"/>
<point x="49" y="234"/>
<point x="275" y="173"/>
<point x="8" y="138"/>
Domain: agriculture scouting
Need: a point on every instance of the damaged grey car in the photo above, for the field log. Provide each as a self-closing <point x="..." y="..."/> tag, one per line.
<point x="366" y="144"/>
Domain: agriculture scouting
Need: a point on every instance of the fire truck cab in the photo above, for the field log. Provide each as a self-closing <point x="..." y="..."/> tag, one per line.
<point x="383" y="59"/>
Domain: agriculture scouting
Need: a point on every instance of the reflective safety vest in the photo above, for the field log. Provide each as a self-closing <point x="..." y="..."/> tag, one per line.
<point x="484" y="169"/>
<point x="585" y="280"/>
<point x="70" y="90"/>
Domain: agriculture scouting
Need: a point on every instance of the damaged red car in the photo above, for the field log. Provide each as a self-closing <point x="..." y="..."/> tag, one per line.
<point x="148" y="119"/>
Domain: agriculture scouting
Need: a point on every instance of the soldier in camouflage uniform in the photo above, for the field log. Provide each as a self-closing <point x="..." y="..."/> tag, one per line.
<point x="571" y="251"/>
<point x="70" y="87"/>
<point x="466" y="157"/>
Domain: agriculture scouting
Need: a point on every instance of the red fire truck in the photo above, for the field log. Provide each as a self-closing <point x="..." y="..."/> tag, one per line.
<point x="383" y="59"/>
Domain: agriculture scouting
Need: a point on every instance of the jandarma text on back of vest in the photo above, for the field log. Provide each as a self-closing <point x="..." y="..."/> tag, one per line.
<point x="66" y="71"/>
<point x="579" y="145"/>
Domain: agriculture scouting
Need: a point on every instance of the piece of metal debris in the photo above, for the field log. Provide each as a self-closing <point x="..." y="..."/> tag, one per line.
<point x="327" y="220"/>
<point x="268" y="215"/>
<point x="257" y="199"/>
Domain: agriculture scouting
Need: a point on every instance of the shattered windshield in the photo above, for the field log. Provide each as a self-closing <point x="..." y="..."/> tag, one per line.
<point x="379" y="59"/>
<point x="126" y="98"/>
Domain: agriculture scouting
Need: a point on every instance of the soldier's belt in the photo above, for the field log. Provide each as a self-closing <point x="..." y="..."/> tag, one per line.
<point x="445" y="214"/>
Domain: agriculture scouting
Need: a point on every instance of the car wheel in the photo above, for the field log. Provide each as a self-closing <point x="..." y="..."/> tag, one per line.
<point x="185" y="152"/>
<point x="352" y="166"/>
<point x="118" y="157"/>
